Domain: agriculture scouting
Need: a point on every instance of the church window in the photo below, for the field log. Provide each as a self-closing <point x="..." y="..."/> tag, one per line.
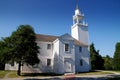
<point x="81" y="62"/>
<point x="66" y="47"/>
<point x="48" y="62"/>
<point x="48" y="46"/>
<point x="80" y="49"/>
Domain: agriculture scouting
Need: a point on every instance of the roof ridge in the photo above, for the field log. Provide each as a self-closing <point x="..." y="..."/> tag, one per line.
<point x="47" y="35"/>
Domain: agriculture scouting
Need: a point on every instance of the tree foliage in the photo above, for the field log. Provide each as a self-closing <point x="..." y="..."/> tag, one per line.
<point x="108" y="63"/>
<point x="24" y="45"/>
<point x="116" y="59"/>
<point x="5" y="51"/>
<point x="95" y="58"/>
<point x="1" y="56"/>
<point x="21" y="47"/>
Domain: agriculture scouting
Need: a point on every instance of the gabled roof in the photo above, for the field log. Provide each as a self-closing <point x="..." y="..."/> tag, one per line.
<point x="46" y="38"/>
<point x="50" y="38"/>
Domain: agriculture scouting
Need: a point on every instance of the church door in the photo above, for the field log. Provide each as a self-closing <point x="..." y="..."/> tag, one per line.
<point x="68" y="65"/>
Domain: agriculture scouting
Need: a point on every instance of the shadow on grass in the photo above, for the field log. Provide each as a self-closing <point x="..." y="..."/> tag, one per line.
<point x="75" y="78"/>
<point x="78" y="78"/>
<point x="43" y="79"/>
<point x="40" y="74"/>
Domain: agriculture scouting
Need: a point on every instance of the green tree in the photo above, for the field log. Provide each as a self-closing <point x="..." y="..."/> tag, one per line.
<point x="1" y="56"/>
<point x="108" y="63"/>
<point x="22" y="47"/>
<point x="95" y="58"/>
<point x="4" y="51"/>
<point x="116" y="59"/>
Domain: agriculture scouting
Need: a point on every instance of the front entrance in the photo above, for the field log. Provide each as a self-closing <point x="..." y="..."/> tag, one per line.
<point x="68" y="65"/>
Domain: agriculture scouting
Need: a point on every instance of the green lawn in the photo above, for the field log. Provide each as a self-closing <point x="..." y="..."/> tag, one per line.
<point x="3" y="73"/>
<point x="12" y="74"/>
<point x="95" y="73"/>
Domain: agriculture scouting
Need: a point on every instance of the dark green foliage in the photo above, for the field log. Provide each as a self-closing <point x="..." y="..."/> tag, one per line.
<point x="21" y="47"/>
<point x="96" y="60"/>
<point x="108" y="63"/>
<point x="2" y="66"/>
<point x="24" y="45"/>
<point x="116" y="60"/>
<point x="3" y="53"/>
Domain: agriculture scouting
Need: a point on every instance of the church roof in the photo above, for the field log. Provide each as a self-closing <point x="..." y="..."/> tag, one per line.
<point x="51" y="38"/>
<point x="46" y="38"/>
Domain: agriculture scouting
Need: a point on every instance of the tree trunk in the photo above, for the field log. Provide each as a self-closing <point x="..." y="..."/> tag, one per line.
<point x="19" y="68"/>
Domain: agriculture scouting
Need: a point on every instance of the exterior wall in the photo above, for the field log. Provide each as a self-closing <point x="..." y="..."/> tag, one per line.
<point x="57" y="66"/>
<point x="83" y="34"/>
<point x="67" y="55"/>
<point x="43" y="49"/>
<point x="80" y="33"/>
<point x="44" y="54"/>
<point x="60" y="56"/>
<point x="84" y="55"/>
<point x="74" y="32"/>
<point x="10" y="67"/>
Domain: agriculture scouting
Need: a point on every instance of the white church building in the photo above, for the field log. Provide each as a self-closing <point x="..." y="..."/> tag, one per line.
<point x="62" y="54"/>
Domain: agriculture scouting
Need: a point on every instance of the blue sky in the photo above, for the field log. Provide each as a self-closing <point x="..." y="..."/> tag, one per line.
<point x="54" y="17"/>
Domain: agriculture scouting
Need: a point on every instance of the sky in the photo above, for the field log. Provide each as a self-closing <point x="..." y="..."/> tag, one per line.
<point x="54" y="17"/>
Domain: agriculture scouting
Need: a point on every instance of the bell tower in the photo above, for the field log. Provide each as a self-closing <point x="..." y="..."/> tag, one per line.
<point x="79" y="29"/>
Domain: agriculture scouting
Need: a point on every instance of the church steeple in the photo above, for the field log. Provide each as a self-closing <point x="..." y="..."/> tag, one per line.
<point x="77" y="18"/>
<point x="79" y="28"/>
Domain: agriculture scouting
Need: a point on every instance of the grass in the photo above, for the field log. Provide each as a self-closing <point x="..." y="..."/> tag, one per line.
<point x="13" y="74"/>
<point x="94" y="73"/>
<point x="3" y="73"/>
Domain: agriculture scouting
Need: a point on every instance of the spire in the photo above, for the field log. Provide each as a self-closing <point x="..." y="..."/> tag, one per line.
<point x="77" y="11"/>
<point x="77" y="7"/>
<point x="78" y="17"/>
